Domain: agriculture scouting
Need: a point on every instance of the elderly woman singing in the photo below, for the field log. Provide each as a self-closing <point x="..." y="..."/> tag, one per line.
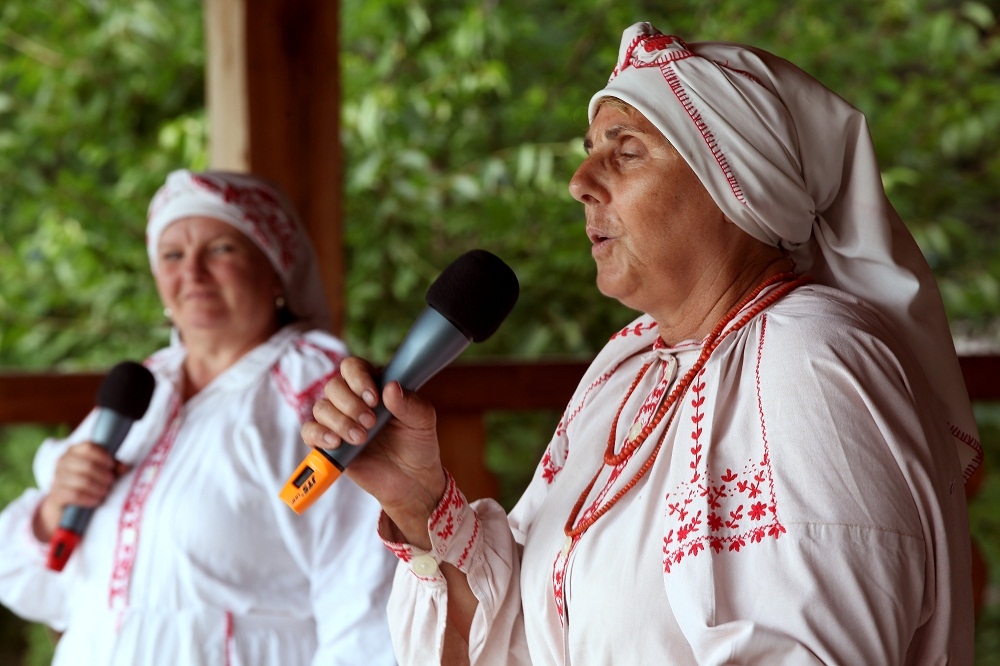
<point x="767" y="466"/>
<point x="190" y="558"/>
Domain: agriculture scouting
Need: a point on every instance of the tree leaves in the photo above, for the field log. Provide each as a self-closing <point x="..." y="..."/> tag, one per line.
<point x="461" y="121"/>
<point x="98" y="101"/>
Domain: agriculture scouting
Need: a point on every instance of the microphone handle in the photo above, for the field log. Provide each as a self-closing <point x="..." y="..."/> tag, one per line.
<point x="110" y="429"/>
<point x="75" y="518"/>
<point x="432" y="343"/>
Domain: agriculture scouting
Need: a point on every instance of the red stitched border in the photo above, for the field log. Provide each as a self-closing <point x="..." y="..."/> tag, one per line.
<point x="673" y="80"/>
<point x="766" y="462"/>
<point x="133" y="508"/>
<point x="973" y="444"/>
<point x="229" y="638"/>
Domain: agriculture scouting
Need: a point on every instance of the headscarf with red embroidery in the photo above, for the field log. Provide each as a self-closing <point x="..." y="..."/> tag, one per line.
<point x="259" y="210"/>
<point x="793" y="165"/>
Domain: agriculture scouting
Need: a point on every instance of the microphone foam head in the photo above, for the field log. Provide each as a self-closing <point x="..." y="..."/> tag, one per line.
<point x="127" y="389"/>
<point x="475" y="293"/>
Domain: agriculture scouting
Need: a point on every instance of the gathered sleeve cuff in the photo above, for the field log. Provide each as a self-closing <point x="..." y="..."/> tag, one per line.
<point x="477" y="540"/>
<point x="453" y="528"/>
<point x="27" y="585"/>
<point x="21" y="519"/>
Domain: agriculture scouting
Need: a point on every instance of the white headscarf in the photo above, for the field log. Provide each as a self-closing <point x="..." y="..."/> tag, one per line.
<point x="792" y="164"/>
<point x="259" y="210"/>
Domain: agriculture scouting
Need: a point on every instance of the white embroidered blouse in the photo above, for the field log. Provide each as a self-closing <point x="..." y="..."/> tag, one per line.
<point x="804" y="507"/>
<point x="193" y="558"/>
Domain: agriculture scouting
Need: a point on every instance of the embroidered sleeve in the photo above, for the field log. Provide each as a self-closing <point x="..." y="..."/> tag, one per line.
<point x="302" y="375"/>
<point x="453" y="529"/>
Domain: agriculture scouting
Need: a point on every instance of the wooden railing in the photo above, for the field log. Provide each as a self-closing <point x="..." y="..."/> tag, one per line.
<point x="463" y="394"/>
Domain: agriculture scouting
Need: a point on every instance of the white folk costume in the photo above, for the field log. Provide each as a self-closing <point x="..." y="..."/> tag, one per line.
<point x="788" y="490"/>
<point x="193" y="558"/>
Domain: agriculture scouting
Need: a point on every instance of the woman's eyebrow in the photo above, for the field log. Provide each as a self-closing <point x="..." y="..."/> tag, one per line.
<point x="611" y="133"/>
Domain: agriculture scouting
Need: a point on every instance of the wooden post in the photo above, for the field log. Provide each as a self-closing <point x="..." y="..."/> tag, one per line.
<point x="273" y="98"/>
<point x="463" y="451"/>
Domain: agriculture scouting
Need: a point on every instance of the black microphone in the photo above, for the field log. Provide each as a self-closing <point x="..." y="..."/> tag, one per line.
<point x="122" y="399"/>
<point x="467" y="303"/>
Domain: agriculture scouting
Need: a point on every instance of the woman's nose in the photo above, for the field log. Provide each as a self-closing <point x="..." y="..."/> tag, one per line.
<point x="194" y="265"/>
<point x="583" y="186"/>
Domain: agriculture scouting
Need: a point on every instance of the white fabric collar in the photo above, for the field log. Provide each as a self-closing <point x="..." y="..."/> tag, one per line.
<point x="247" y="369"/>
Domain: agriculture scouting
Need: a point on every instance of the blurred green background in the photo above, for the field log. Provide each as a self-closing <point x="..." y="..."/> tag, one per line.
<point x="462" y="122"/>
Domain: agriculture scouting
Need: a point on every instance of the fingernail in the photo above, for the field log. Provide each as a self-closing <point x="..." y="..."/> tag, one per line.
<point x="367" y="419"/>
<point x="358" y="435"/>
<point x="331" y="440"/>
<point x="370" y="398"/>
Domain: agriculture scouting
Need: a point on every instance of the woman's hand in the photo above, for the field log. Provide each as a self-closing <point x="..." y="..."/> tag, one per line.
<point x="401" y="467"/>
<point x="83" y="477"/>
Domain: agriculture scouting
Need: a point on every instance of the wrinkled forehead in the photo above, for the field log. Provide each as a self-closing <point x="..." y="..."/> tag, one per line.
<point x="626" y="114"/>
<point x="201" y="229"/>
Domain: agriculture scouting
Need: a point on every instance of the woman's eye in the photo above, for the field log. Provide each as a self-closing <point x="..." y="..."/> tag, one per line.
<point x="171" y="255"/>
<point x="629" y="149"/>
<point x="223" y="248"/>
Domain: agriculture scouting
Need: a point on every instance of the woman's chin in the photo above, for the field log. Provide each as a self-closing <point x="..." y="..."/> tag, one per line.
<point x="611" y="283"/>
<point x="201" y="325"/>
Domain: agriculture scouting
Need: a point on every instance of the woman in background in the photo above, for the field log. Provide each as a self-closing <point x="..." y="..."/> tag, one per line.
<point x="190" y="557"/>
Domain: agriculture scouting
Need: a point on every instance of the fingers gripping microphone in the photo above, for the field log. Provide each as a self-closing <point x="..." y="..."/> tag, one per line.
<point x="122" y="399"/>
<point x="467" y="303"/>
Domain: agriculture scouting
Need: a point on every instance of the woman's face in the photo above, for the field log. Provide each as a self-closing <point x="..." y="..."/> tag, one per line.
<point x="216" y="281"/>
<point x="655" y="230"/>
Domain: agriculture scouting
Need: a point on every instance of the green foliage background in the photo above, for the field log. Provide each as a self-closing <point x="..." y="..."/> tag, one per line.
<point x="462" y="123"/>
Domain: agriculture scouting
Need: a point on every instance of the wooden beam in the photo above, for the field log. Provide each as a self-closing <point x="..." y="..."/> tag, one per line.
<point x="462" y="388"/>
<point x="982" y="376"/>
<point x="273" y="100"/>
<point x="504" y="386"/>
<point x="462" y="393"/>
<point x="462" y="437"/>
<point x="47" y="398"/>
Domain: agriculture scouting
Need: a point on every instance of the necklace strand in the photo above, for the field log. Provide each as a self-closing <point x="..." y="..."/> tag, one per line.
<point x="713" y="340"/>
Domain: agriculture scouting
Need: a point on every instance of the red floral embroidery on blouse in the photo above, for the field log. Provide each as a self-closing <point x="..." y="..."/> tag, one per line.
<point x="637" y="328"/>
<point x="739" y="501"/>
<point x="445" y="523"/>
<point x="302" y="399"/>
<point x="401" y="550"/>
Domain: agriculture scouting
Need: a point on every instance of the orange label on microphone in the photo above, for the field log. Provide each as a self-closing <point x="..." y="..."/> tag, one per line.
<point x="314" y="475"/>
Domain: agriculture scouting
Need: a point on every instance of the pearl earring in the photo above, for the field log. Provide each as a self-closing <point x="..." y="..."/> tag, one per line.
<point x="279" y="302"/>
<point x="167" y="313"/>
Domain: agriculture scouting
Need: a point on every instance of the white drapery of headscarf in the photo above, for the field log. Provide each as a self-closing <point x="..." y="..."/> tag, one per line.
<point x="261" y="212"/>
<point x="793" y="165"/>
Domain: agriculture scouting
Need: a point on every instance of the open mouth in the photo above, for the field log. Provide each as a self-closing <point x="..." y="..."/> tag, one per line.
<point x="596" y="236"/>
